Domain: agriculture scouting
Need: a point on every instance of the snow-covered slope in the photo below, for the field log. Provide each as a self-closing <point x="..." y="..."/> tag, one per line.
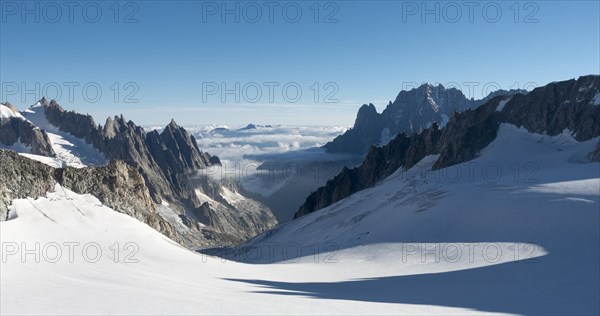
<point x="70" y="150"/>
<point x="527" y="195"/>
<point x="121" y="266"/>
<point x="431" y="242"/>
<point x="520" y="180"/>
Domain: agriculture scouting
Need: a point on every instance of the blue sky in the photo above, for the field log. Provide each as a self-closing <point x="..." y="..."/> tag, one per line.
<point x="175" y="57"/>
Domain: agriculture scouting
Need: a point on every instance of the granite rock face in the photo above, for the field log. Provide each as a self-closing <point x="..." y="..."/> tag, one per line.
<point x="572" y="105"/>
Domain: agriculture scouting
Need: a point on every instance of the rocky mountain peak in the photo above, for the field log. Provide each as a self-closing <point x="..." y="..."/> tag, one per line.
<point x="43" y="101"/>
<point x="248" y="127"/>
<point x="110" y="129"/>
<point x="366" y="114"/>
<point x="367" y="108"/>
<point x="411" y="112"/>
<point x="173" y="130"/>
<point x="53" y="103"/>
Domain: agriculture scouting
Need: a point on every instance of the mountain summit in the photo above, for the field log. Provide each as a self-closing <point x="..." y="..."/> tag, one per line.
<point x="412" y="111"/>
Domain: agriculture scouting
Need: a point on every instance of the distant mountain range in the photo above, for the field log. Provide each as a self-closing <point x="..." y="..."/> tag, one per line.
<point x="152" y="176"/>
<point x="412" y="111"/>
<point x="572" y="105"/>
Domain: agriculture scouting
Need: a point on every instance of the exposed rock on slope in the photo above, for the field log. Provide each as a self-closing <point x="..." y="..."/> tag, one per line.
<point x="14" y="129"/>
<point x="117" y="185"/>
<point x="378" y="164"/>
<point x="550" y="109"/>
<point x="467" y="133"/>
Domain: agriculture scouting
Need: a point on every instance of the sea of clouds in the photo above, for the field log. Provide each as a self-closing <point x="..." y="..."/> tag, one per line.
<point x="280" y="163"/>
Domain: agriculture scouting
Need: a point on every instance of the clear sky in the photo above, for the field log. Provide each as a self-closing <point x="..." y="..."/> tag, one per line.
<point x="157" y="60"/>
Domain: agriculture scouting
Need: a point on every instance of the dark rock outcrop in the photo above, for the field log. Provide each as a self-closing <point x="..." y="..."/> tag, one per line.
<point x="549" y="110"/>
<point x="558" y="106"/>
<point x="467" y="133"/>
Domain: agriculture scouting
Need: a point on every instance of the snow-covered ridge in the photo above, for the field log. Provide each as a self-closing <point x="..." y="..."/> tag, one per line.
<point x="6" y="112"/>
<point x="70" y="150"/>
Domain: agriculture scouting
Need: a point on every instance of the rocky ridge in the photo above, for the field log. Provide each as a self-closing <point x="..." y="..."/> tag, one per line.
<point x="169" y="166"/>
